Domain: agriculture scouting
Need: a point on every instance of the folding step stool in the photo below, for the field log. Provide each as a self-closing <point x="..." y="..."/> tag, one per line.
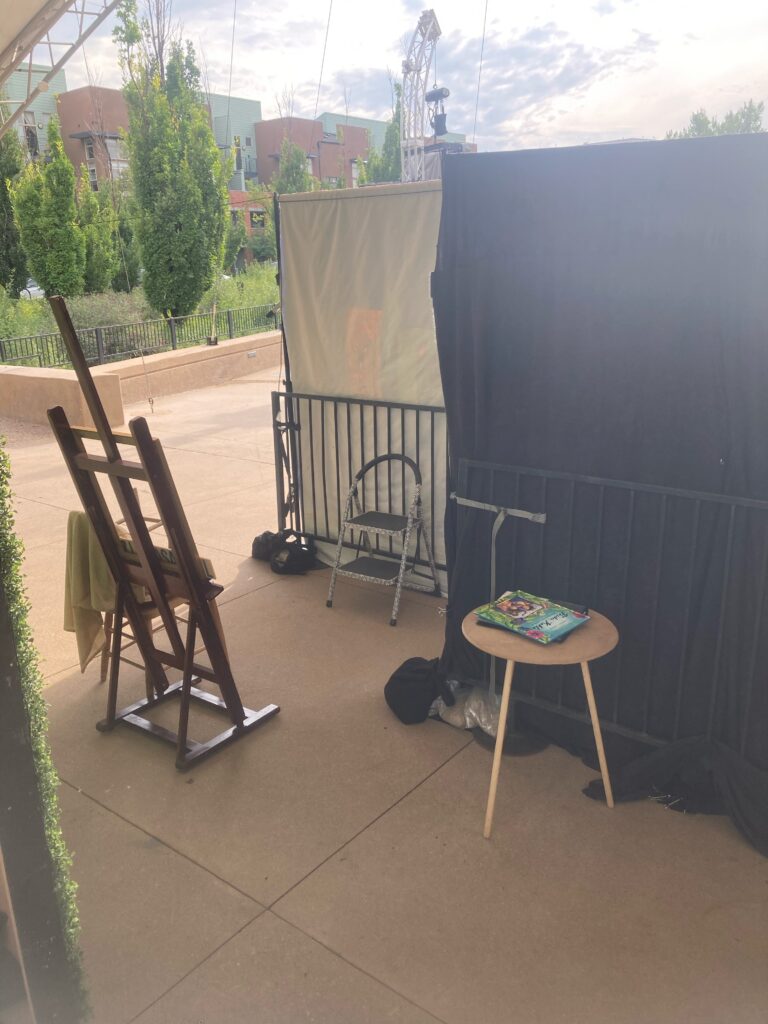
<point x="385" y="571"/>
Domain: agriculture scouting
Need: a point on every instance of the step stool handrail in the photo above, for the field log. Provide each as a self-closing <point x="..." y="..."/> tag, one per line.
<point x="395" y="457"/>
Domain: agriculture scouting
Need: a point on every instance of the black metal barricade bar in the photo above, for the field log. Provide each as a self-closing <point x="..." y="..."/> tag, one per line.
<point x="322" y="440"/>
<point x="658" y="561"/>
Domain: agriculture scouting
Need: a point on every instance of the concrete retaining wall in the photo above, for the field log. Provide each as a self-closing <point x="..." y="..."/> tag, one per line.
<point x="186" y="369"/>
<point x="27" y="393"/>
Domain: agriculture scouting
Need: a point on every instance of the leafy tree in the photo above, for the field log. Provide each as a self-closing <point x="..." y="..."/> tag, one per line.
<point x="235" y="239"/>
<point x="128" y="272"/>
<point x="386" y="165"/>
<point x="179" y="177"/>
<point x="744" y="121"/>
<point x="13" y="264"/>
<point x="292" y="175"/>
<point x="362" y="171"/>
<point x="262" y="243"/>
<point x="98" y="220"/>
<point x="46" y="215"/>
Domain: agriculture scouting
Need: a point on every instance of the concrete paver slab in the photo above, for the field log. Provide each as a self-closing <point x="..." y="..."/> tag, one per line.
<point x="230" y="523"/>
<point x="571" y="912"/>
<point x="271" y="972"/>
<point x="148" y="915"/>
<point x="267" y="810"/>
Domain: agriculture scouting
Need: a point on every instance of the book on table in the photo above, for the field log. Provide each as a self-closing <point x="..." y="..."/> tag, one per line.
<point x="536" y="618"/>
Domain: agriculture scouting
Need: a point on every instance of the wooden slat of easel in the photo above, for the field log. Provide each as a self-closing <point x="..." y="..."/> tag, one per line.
<point x="185" y="580"/>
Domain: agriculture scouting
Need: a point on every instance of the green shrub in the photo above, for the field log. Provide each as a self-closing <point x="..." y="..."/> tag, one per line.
<point x="30" y="677"/>
<point x="255" y="286"/>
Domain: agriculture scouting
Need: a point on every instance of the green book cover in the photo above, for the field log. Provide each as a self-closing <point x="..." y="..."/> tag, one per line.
<point x="536" y="618"/>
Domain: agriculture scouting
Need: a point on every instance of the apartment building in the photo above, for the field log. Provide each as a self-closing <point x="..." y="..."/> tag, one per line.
<point x="376" y="129"/>
<point x="233" y="119"/>
<point x="331" y="155"/>
<point x="32" y="127"/>
<point x="93" y="120"/>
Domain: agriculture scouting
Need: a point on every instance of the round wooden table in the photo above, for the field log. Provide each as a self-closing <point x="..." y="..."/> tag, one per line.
<point x="592" y="640"/>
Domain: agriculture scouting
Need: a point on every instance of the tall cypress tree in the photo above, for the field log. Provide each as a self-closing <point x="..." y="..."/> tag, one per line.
<point x="98" y="221"/>
<point x="13" y="264"/>
<point x="179" y="177"/>
<point x="386" y="165"/>
<point x="46" y="215"/>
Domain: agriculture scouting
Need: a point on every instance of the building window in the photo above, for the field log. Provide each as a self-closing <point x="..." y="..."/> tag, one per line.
<point x="258" y="219"/>
<point x="238" y="154"/>
<point x="30" y="134"/>
<point x="115" y="149"/>
<point x="93" y="180"/>
<point x="89" y="153"/>
<point x="248" y="140"/>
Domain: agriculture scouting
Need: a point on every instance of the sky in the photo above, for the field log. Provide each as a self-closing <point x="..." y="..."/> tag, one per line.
<point x="554" y="73"/>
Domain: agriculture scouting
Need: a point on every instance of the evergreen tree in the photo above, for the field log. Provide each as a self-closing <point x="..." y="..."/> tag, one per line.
<point x="98" y="220"/>
<point x="386" y="165"/>
<point x="13" y="264"/>
<point x="46" y="215"/>
<point x="179" y="178"/>
<point x="128" y="272"/>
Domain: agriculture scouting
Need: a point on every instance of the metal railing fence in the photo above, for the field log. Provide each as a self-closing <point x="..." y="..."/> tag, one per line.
<point x="321" y="441"/>
<point x="126" y="341"/>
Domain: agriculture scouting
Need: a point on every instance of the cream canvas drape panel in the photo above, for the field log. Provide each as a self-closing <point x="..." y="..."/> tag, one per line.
<point x="357" y="309"/>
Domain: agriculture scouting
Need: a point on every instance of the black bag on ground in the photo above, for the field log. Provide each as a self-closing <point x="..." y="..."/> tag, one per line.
<point x="266" y="545"/>
<point x="296" y="554"/>
<point x="413" y="687"/>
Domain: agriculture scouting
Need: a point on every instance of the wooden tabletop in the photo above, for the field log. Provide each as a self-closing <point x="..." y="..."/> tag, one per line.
<point x="592" y="640"/>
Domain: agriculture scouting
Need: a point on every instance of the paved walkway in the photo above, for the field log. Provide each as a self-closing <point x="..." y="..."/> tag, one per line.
<point x="331" y="867"/>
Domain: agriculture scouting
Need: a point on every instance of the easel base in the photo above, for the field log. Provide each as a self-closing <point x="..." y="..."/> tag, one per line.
<point x="194" y="752"/>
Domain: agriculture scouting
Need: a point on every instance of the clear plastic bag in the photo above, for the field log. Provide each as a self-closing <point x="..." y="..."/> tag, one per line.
<point x="475" y="708"/>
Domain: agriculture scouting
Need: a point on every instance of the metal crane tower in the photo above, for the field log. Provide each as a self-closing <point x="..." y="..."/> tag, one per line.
<point x="416" y="68"/>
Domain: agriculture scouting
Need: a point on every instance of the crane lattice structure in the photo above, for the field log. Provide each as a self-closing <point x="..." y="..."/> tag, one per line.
<point x="52" y="28"/>
<point x="416" y="68"/>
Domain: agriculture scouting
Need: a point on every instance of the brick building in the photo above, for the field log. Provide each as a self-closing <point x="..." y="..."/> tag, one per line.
<point x="331" y="156"/>
<point x="93" y="120"/>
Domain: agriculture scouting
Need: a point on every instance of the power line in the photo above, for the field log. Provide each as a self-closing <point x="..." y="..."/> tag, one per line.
<point x="480" y="71"/>
<point x="231" y="60"/>
<point x="322" y="62"/>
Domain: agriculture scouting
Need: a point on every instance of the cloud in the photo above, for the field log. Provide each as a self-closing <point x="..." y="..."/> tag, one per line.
<point x="604" y="7"/>
<point x="523" y="76"/>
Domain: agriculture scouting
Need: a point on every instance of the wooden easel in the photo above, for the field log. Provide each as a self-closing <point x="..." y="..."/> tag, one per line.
<point x="166" y="583"/>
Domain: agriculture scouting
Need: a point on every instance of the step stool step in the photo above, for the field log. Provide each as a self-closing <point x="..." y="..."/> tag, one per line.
<point x="379" y="522"/>
<point x="378" y="570"/>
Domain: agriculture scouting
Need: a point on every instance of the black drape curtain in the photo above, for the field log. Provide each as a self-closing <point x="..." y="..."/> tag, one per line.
<point x="603" y="311"/>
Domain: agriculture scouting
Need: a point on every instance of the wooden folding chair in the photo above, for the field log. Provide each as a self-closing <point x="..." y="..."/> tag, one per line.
<point x="169" y="581"/>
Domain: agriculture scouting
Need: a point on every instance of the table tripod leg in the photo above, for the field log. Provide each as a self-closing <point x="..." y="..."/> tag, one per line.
<point x="500" y="730"/>
<point x="598" y="734"/>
